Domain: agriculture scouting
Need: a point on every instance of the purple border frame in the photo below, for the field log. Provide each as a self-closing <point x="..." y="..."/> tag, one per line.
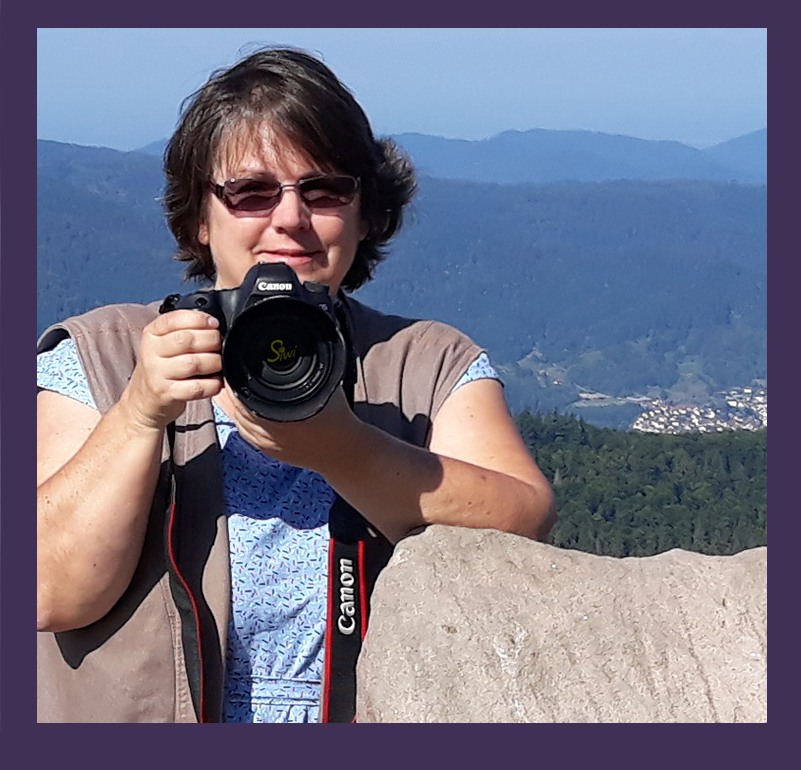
<point x="107" y="744"/>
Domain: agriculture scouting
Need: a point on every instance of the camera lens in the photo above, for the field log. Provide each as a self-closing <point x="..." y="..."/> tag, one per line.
<point x="284" y="358"/>
<point x="282" y="353"/>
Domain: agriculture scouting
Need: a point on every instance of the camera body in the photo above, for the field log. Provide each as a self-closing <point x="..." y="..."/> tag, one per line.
<point x="283" y="353"/>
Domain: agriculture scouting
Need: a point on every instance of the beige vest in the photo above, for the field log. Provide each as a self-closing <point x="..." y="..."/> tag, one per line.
<point x="159" y="654"/>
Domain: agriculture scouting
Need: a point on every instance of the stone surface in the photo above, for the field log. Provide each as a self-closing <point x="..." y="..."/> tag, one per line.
<point x="482" y="626"/>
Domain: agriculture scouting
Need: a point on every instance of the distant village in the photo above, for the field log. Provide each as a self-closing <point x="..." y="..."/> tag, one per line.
<point x="743" y="408"/>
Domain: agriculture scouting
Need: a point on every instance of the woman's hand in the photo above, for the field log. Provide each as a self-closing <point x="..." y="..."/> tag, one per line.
<point x="309" y="443"/>
<point x="178" y="354"/>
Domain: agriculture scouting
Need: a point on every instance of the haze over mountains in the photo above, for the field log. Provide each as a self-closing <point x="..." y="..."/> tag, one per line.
<point x="555" y="156"/>
<point x="580" y="260"/>
<point x="542" y="155"/>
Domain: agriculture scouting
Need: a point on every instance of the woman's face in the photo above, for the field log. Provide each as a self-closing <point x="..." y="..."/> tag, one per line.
<point x="317" y="245"/>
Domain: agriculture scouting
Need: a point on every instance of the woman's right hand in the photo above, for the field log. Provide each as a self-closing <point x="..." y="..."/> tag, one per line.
<point x="178" y="357"/>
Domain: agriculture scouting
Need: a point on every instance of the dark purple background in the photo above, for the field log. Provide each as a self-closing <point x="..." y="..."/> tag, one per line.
<point x="436" y="746"/>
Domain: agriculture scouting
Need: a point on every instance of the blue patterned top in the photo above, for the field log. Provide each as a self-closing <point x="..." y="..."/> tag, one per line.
<point x="278" y="531"/>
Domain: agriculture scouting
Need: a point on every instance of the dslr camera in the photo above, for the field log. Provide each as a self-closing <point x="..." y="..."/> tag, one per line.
<point x="283" y="353"/>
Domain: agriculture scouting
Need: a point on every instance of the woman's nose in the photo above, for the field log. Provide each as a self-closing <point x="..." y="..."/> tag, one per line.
<point x="291" y="212"/>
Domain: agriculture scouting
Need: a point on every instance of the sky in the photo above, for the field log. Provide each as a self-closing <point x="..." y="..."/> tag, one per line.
<point x="122" y="88"/>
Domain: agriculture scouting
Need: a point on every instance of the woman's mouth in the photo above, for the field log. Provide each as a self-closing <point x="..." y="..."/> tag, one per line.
<point x="291" y="258"/>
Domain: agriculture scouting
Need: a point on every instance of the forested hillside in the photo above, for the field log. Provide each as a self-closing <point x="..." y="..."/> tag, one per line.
<point x="611" y="287"/>
<point x="615" y="287"/>
<point x="101" y="235"/>
<point x="634" y="494"/>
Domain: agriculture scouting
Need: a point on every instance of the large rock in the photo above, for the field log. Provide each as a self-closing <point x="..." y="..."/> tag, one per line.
<point x="482" y="626"/>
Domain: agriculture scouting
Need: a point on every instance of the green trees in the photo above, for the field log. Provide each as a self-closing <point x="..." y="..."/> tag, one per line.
<point x="633" y="494"/>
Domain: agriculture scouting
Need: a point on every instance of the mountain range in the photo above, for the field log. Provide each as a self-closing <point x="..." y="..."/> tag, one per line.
<point x="542" y="155"/>
<point x="614" y="286"/>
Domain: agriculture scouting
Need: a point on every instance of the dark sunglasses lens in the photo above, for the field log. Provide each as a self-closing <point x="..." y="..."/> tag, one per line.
<point x="259" y="196"/>
<point x="328" y="192"/>
<point x="251" y="195"/>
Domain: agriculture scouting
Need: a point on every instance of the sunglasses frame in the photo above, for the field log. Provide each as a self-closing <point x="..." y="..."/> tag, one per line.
<point x="221" y="193"/>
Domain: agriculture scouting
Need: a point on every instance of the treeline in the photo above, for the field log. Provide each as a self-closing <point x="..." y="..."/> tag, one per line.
<point x="635" y="494"/>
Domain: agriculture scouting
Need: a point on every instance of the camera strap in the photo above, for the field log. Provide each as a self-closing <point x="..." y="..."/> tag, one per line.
<point x="357" y="553"/>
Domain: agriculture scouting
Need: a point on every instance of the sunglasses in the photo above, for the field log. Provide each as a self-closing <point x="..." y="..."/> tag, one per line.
<point x="260" y="196"/>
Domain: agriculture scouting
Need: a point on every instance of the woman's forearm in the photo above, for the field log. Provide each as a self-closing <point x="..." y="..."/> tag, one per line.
<point x="400" y="488"/>
<point x="91" y="520"/>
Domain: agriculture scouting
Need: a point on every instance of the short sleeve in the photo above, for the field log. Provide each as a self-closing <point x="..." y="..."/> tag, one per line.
<point x="60" y="370"/>
<point x="480" y="369"/>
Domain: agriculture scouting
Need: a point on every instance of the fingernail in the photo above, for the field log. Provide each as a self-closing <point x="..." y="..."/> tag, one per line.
<point x="212" y="322"/>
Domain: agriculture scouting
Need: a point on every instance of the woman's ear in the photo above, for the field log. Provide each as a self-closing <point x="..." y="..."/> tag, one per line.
<point x="203" y="233"/>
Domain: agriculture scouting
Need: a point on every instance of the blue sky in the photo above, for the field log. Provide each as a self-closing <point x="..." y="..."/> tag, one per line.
<point x="122" y="88"/>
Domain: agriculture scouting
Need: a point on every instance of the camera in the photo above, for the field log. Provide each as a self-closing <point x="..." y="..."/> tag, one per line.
<point x="283" y="352"/>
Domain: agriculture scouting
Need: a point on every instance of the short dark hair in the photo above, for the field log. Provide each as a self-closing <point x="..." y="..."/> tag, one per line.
<point x="304" y="101"/>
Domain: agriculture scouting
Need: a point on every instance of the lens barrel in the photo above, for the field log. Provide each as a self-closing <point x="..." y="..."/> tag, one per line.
<point x="284" y="358"/>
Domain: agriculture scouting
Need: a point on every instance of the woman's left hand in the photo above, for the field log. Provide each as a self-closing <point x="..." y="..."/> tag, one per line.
<point x="305" y="443"/>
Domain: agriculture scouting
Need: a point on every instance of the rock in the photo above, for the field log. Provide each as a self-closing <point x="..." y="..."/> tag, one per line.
<point x="483" y="626"/>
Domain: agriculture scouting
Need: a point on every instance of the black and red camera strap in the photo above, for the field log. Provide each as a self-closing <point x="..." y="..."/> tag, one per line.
<point x="357" y="552"/>
<point x="356" y="555"/>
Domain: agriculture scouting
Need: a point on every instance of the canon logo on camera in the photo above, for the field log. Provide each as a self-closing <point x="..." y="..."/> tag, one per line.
<point x="272" y="286"/>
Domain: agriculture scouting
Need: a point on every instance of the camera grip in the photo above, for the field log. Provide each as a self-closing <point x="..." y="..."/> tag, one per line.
<point x="196" y="301"/>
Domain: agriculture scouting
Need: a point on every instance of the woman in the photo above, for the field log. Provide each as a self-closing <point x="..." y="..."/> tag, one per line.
<point x="273" y="161"/>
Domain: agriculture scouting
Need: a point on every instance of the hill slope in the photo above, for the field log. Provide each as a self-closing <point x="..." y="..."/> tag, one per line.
<point x="612" y="286"/>
<point x="101" y="235"/>
<point x="749" y="153"/>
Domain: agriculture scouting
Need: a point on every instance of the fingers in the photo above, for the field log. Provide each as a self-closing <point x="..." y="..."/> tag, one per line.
<point x="192" y="365"/>
<point x="184" y="341"/>
<point x="182" y="319"/>
<point x="191" y="389"/>
<point x="178" y="357"/>
<point x="183" y="332"/>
